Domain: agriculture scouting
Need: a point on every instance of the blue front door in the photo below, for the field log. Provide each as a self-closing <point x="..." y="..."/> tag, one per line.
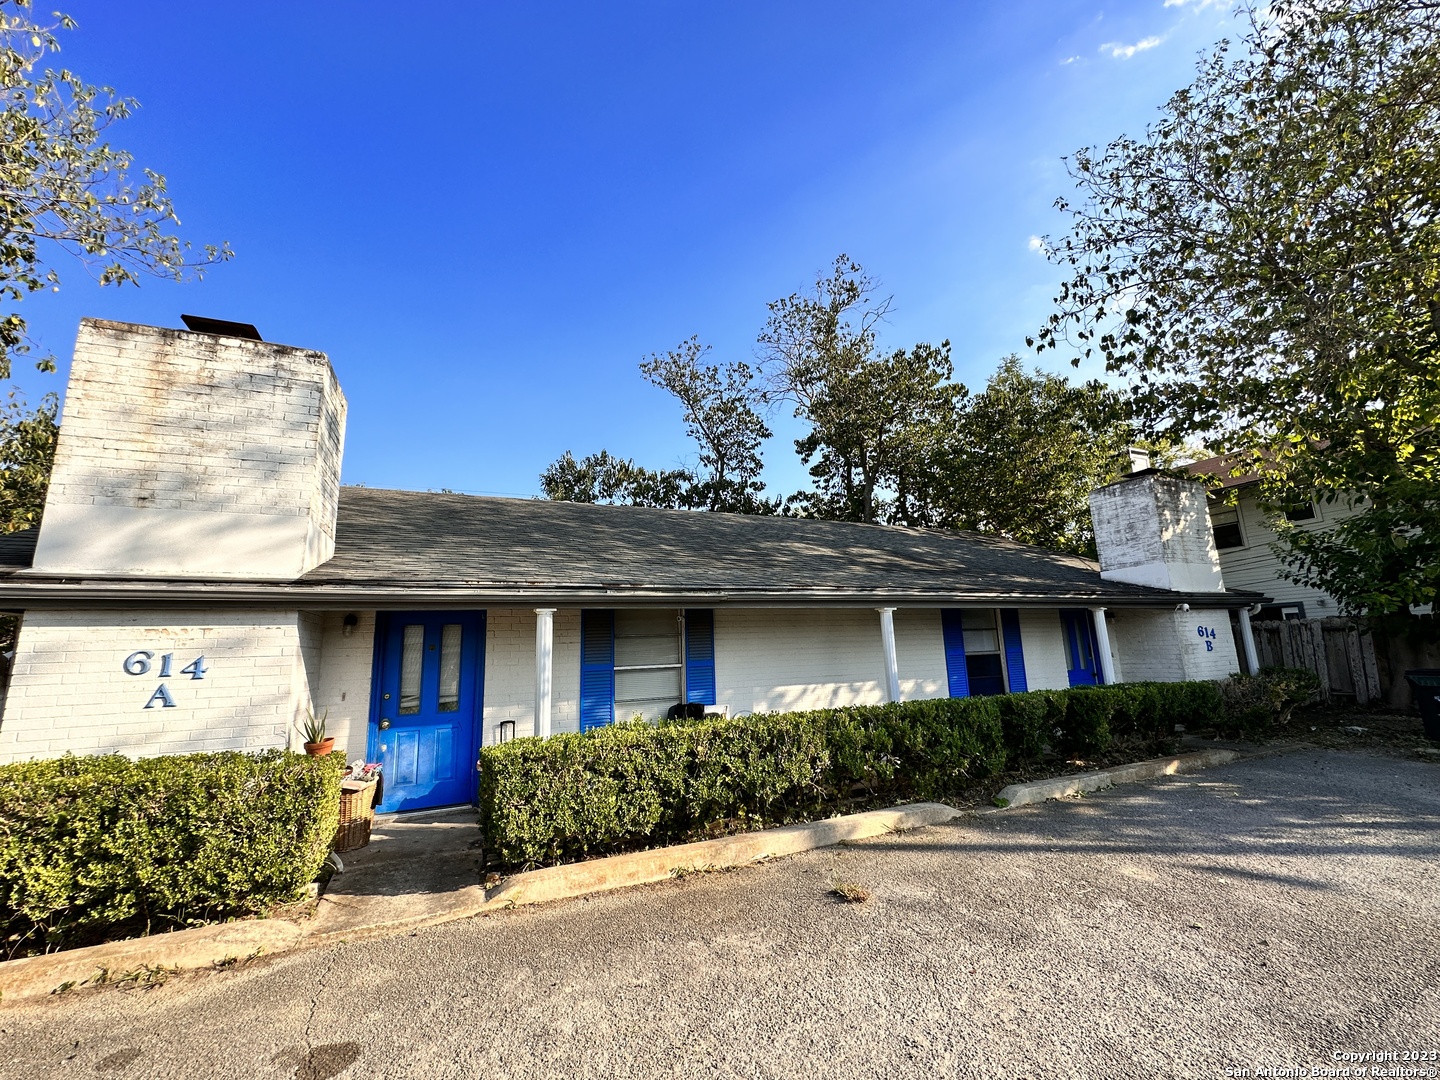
<point x="427" y="709"/>
<point x="1081" y="647"/>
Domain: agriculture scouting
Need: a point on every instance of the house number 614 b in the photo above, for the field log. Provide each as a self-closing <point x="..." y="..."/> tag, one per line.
<point x="138" y="663"/>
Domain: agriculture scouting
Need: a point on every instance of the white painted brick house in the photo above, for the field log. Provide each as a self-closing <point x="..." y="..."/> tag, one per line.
<point x="201" y="581"/>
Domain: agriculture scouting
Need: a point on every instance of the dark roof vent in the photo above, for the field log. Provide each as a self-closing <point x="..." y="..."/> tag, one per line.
<point x="221" y="327"/>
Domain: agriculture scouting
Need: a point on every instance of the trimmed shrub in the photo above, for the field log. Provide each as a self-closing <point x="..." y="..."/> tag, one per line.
<point x="92" y="846"/>
<point x="632" y="785"/>
<point x="1031" y="723"/>
<point x="1254" y="705"/>
<point x="1147" y="712"/>
<point x="1085" y="731"/>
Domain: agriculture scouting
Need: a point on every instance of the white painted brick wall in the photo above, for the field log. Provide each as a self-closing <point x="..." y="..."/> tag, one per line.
<point x="1043" y="639"/>
<point x="186" y="454"/>
<point x="1217" y="660"/>
<point x="1165" y="645"/>
<point x="342" y="694"/>
<point x="510" y="671"/>
<point x="1155" y="530"/>
<point x="783" y="660"/>
<point x="69" y="692"/>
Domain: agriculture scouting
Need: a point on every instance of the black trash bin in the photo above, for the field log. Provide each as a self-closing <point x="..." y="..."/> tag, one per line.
<point x="1425" y="683"/>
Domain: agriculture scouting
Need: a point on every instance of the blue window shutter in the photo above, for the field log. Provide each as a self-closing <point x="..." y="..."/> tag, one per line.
<point x="955" y="653"/>
<point x="1014" y="654"/>
<point x="700" y="656"/>
<point x="597" y="668"/>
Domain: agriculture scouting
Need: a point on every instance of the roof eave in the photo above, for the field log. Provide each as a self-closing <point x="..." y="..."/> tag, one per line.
<point x="30" y="594"/>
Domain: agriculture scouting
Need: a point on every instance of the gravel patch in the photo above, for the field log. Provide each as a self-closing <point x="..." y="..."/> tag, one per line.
<point x="1269" y="913"/>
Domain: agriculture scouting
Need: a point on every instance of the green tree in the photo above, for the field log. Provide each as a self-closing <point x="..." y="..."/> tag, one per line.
<point x="27" y="450"/>
<point x="873" y="417"/>
<point x="1264" y="265"/>
<point x="604" y="478"/>
<point x="719" y="406"/>
<point x="1024" y="455"/>
<point x="63" y="187"/>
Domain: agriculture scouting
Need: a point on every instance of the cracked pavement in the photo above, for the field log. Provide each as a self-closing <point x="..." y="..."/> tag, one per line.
<point x="1268" y="913"/>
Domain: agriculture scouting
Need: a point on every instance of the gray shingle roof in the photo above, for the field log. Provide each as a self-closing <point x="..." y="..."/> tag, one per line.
<point x="394" y="544"/>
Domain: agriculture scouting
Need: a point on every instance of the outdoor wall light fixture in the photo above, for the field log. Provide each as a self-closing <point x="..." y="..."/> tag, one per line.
<point x="351" y="621"/>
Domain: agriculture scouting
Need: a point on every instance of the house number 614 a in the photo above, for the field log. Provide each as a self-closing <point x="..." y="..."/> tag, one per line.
<point x="138" y="663"/>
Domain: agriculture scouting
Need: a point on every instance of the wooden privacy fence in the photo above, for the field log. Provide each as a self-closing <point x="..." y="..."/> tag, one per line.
<point x="1340" y="651"/>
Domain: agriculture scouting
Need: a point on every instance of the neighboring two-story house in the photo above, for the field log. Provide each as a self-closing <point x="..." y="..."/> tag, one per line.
<point x="1243" y="537"/>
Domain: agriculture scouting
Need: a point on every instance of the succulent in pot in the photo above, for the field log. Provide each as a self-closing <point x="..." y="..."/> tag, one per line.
<point x="317" y="743"/>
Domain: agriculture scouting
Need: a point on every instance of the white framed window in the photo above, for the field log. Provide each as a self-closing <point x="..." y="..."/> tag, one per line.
<point x="1225" y="521"/>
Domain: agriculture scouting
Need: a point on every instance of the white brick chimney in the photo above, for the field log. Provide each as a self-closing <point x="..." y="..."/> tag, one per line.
<point x="185" y="455"/>
<point x="1152" y="529"/>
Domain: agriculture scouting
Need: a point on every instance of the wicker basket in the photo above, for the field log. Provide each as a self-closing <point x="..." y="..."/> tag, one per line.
<point x="357" y="811"/>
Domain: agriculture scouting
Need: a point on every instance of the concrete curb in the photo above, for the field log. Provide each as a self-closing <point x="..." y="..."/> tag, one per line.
<point x="180" y="950"/>
<point x="644" y="867"/>
<point x="210" y="946"/>
<point x="1061" y="786"/>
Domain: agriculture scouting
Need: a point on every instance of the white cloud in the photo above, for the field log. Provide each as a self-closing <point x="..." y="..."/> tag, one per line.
<point x="1198" y="5"/>
<point x="1036" y="244"/>
<point x="1125" y="52"/>
<point x="1069" y="60"/>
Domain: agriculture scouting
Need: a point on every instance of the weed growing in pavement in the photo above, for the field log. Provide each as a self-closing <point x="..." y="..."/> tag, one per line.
<point x="847" y="892"/>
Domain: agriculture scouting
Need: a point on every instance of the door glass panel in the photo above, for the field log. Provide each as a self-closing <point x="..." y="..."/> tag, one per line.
<point x="412" y="655"/>
<point x="1082" y="645"/>
<point x="450" y="668"/>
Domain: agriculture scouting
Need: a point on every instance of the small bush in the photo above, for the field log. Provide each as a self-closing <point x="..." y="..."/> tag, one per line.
<point x="93" y="846"/>
<point x="1254" y="706"/>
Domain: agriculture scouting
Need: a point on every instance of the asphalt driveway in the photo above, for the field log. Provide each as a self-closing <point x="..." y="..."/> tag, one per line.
<point x="1271" y="913"/>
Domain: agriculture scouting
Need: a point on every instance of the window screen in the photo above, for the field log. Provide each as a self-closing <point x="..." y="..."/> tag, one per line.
<point x="983" y="665"/>
<point x="647" y="663"/>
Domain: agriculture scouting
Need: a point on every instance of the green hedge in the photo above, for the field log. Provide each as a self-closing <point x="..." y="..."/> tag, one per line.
<point x="633" y="784"/>
<point x="90" y="846"/>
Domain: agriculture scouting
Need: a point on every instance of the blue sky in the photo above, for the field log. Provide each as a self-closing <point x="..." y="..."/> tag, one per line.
<point x="488" y="214"/>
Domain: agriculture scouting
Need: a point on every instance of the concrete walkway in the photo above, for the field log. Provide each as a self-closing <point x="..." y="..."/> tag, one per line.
<point x="1268" y="913"/>
<point x="416" y="870"/>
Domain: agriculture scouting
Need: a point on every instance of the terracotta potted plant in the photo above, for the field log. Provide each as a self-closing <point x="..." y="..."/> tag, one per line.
<point x="317" y="744"/>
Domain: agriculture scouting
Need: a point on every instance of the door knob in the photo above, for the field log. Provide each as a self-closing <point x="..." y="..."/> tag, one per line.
<point x="384" y="725"/>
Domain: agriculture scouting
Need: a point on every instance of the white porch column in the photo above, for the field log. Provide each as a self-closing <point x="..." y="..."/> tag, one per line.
<point x="1102" y="643"/>
<point x="544" y="654"/>
<point x="887" y="639"/>
<point x="1247" y="642"/>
